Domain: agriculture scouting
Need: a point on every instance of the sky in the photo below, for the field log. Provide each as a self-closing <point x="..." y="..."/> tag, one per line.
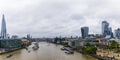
<point x="51" y="18"/>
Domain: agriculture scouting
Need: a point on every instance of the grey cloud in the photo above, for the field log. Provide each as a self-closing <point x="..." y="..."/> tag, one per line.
<point x="77" y="17"/>
<point x="51" y="18"/>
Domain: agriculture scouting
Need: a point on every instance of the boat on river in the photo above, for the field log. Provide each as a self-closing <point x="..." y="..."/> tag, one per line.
<point x="36" y="46"/>
<point x="67" y="50"/>
<point x="10" y="55"/>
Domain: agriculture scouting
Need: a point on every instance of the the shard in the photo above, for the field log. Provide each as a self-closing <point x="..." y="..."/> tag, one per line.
<point x="3" y="28"/>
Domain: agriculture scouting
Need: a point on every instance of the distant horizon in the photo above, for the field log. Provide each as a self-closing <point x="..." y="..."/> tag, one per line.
<point x="44" y="18"/>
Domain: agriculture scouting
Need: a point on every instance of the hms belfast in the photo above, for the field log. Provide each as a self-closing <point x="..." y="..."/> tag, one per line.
<point x="6" y="43"/>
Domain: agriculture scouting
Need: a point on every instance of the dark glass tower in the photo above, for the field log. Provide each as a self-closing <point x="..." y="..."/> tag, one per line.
<point x="117" y="33"/>
<point x="3" y="28"/>
<point x="84" y="32"/>
<point x="106" y="30"/>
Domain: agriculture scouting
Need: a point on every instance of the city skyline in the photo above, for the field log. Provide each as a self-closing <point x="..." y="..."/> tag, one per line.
<point x="59" y="30"/>
<point x="58" y="18"/>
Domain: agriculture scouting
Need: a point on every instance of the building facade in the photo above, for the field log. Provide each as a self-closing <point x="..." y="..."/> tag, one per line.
<point x="84" y="32"/>
<point x="3" y="29"/>
<point x="117" y="33"/>
<point x="14" y="37"/>
<point x="106" y="30"/>
<point x="74" y="43"/>
<point x="10" y="43"/>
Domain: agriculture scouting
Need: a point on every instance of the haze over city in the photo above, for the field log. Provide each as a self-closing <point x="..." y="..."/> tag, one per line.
<point x="51" y="18"/>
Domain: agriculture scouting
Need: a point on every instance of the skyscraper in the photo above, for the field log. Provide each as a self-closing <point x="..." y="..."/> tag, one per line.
<point x="29" y="36"/>
<point x="105" y="26"/>
<point x="117" y="33"/>
<point x="106" y="30"/>
<point x="84" y="32"/>
<point x="3" y="29"/>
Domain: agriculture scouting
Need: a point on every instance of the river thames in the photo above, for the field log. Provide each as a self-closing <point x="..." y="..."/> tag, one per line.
<point x="47" y="51"/>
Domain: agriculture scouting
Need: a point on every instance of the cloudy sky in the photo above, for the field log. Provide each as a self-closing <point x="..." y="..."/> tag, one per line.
<point x="50" y="18"/>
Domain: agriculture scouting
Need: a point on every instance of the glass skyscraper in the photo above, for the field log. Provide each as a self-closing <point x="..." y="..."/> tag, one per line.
<point x="84" y="32"/>
<point x="117" y="33"/>
<point x="12" y="44"/>
<point x="106" y="30"/>
<point x="3" y="28"/>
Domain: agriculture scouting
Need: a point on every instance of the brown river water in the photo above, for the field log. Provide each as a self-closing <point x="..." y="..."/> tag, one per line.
<point x="46" y="51"/>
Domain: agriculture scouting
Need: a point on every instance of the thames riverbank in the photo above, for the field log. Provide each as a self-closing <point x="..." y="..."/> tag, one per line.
<point x="8" y="51"/>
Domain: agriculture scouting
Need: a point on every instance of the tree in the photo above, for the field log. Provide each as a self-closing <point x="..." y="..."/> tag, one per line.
<point x="90" y="49"/>
<point x="113" y="45"/>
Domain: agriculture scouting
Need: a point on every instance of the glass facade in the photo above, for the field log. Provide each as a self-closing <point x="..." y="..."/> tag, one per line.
<point x="3" y="29"/>
<point x="106" y="30"/>
<point x="84" y="32"/>
<point x="117" y="33"/>
<point x="10" y="43"/>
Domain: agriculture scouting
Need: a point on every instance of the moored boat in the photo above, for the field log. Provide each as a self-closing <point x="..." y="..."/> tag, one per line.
<point x="10" y="55"/>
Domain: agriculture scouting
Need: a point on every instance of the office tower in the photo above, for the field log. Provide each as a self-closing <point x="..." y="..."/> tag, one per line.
<point x="117" y="33"/>
<point x="105" y="26"/>
<point x="106" y="30"/>
<point x="3" y="29"/>
<point x="84" y="32"/>
<point x="28" y="36"/>
<point x="110" y="32"/>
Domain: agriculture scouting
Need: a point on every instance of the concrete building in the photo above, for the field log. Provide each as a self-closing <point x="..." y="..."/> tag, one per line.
<point x="25" y="41"/>
<point x="74" y="43"/>
<point x="14" y="37"/>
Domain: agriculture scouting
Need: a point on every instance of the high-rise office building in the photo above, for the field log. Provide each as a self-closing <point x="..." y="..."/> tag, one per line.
<point x="117" y="33"/>
<point x="29" y="36"/>
<point x="106" y="30"/>
<point x="3" y="29"/>
<point x="84" y="32"/>
<point x="5" y="41"/>
<point x="105" y="26"/>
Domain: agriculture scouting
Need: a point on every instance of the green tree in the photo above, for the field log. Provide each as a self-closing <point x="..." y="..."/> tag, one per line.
<point x="90" y="49"/>
<point x="113" y="45"/>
